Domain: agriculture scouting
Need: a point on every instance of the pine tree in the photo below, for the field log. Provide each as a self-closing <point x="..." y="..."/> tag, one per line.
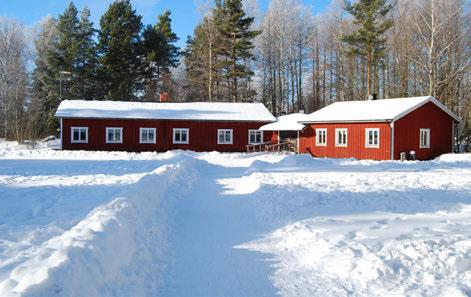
<point x="86" y="61"/>
<point x="120" y="52"/>
<point x="160" y="55"/>
<point x="58" y="58"/>
<point x="368" y="40"/>
<point x="62" y="57"/>
<point x="234" y="26"/>
<point x="172" y="52"/>
<point x="44" y="86"/>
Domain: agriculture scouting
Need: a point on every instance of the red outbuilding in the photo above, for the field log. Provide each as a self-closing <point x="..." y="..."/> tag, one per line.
<point x="161" y="126"/>
<point x="419" y="127"/>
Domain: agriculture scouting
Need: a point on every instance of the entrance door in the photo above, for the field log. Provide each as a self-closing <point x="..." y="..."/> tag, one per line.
<point x="289" y="136"/>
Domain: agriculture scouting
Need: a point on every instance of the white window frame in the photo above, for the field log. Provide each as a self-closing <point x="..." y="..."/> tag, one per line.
<point x="72" y="135"/>
<point x="318" y="132"/>
<point x="424" y="130"/>
<point x="337" y="143"/>
<point x="187" y="130"/>
<point x="367" y="138"/>
<point x="231" y="133"/>
<point x="256" y="131"/>
<point x="114" y="129"/>
<point x="154" y="130"/>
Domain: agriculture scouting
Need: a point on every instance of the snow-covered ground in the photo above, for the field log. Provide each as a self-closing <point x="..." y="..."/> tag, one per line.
<point x="211" y="224"/>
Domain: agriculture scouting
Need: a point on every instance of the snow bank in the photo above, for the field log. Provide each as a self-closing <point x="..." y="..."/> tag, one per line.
<point x="113" y="245"/>
<point x="379" y="254"/>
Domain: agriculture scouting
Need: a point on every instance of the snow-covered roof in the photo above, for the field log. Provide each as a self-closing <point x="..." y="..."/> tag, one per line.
<point x="289" y="122"/>
<point x="211" y="111"/>
<point x="372" y="110"/>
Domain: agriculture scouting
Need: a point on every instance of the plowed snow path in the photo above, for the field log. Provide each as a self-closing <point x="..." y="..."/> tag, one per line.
<point x="208" y="225"/>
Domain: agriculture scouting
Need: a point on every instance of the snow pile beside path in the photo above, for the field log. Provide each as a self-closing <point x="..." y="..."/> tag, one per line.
<point x="13" y="150"/>
<point x="115" y="250"/>
<point x="379" y="254"/>
<point x="455" y="158"/>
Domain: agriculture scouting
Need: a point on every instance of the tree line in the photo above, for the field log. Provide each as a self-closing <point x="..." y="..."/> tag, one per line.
<point x="286" y="57"/>
<point x="121" y="60"/>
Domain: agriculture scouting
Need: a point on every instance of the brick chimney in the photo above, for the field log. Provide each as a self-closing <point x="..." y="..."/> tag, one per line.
<point x="164" y="97"/>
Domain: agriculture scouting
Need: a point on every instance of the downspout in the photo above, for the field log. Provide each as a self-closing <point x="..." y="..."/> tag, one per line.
<point x="392" y="140"/>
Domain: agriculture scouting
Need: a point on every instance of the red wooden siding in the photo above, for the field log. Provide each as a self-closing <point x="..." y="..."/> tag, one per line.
<point x="355" y="141"/>
<point x="202" y="135"/>
<point x="407" y="132"/>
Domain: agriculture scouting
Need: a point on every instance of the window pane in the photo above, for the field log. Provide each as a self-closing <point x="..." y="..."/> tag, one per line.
<point x="83" y="135"/>
<point x="75" y="134"/>
<point x="110" y="135"/>
<point x="144" y="135"/>
<point x="117" y="135"/>
<point x="221" y="137"/>
<point x="177" y="136"/>
<point x="228" y="136"/>
<point x="183" y="136"/>
<point x="151" y="136"/>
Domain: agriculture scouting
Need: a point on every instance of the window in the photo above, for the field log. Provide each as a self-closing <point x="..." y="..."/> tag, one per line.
<point x="341" y="137"/>
<point x="181" y="135"/>
<point x="224" y="136"/>
<point x="147" y="135"/>
<point x="114" y="135"/>
<point x="424" y="138"/>
<point x="255" y="136"/>
<point x="372" y="138"/>
<point x="321" y="137"/>
<point x="79" y="134"/>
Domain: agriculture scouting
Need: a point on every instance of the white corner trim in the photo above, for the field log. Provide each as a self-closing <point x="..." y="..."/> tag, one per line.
<point x="392" y="141"/>
<point x="61" y="141"/>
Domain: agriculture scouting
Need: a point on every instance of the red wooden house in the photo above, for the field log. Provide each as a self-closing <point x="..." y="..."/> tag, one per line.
<point x="162" y="126"/>
<point x="380" y="129"/>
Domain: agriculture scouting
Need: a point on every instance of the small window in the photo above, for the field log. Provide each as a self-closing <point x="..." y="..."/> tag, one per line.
<point x="255" y="136"/>
<point x="181" y="135"/>
<point x="372" y="138"/>
<point x="147" y="135"/>
<point x="79" y="134"/>
<point x="341" y="137"/>
<point x="321" y="137"/>
<point x="114" y="135"/>
<point x="224" y="136"/>
<point x="424" y="138"/>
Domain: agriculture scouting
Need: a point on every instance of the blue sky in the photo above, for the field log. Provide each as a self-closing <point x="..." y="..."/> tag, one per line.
<point x="184" y="12"/>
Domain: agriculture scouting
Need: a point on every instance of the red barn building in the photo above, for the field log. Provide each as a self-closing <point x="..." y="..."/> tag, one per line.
<point x="163" y="126"/>
<point x="380" y="129"/>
